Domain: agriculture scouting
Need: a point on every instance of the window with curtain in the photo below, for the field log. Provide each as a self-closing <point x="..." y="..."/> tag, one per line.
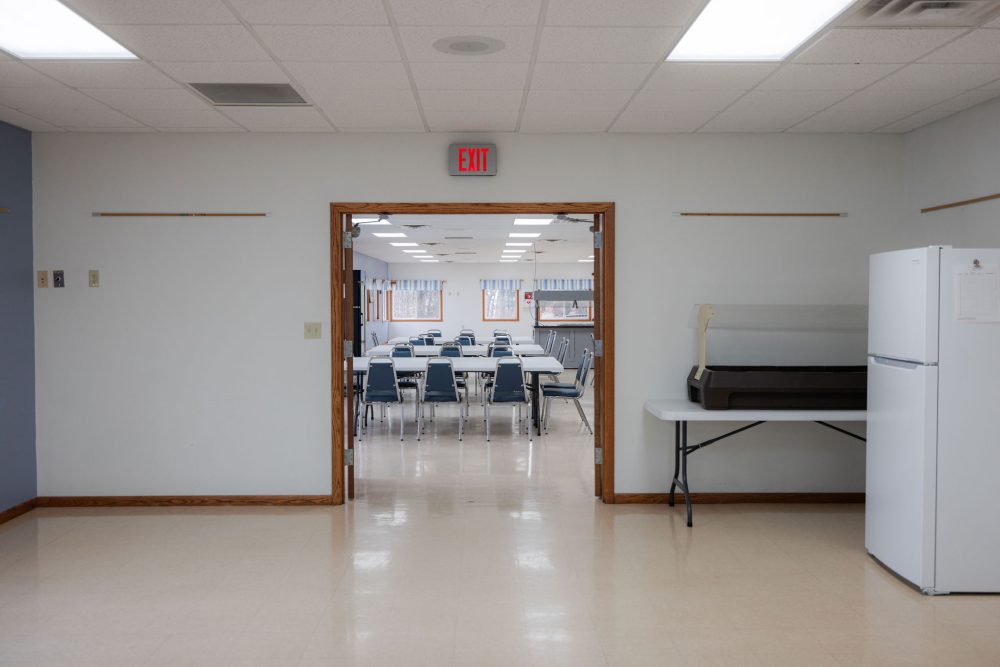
<point x="565" y="311"/>
<point x="501" y="300"/>
<point x="415" y="301"/>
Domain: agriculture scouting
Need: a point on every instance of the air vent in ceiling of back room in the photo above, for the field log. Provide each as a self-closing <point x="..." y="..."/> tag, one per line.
<point x="923" y="13"/>
<point x="250" y="94"/>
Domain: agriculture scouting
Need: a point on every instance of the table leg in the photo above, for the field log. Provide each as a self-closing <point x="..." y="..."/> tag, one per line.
<point x="681" y="468"/>
<point x="677" y="462"/>
<point x="684" y="472"/>
<point x="534" y="403"/>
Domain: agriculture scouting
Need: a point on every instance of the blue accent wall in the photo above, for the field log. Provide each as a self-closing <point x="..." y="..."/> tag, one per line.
<point x="17" y="321"/>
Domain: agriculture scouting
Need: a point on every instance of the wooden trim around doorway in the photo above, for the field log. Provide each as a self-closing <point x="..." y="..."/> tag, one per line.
<point x="605" y="364"/>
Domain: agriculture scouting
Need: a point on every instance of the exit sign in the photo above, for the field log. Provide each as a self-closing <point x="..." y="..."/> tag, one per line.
<point x="472" y="159"/>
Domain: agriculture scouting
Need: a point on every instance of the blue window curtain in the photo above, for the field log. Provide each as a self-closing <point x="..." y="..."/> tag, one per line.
<point x="564" y="284"/>
<point x="501" y="284"/>
<point x="398" y="285"/>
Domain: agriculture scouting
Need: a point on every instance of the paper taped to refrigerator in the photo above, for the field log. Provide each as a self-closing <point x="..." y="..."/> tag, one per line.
<point x="978" y="293"/>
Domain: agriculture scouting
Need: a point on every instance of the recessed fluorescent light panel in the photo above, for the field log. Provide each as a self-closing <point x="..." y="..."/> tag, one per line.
<point x="405" y="244"/>
<point x="421" y="252"/>
<point x="512" y="251"/>
<point x="507" y="261"/>
<point x="49" y="29"/>
<point x="428" y="261"/>
<point x="531" y="221"/>
<point x="524" y="235"/>
<point x="585" y="260"/>
<point x="517" y="243"/>
<point x="740" y="30"/>
<point x="389" y="235"/>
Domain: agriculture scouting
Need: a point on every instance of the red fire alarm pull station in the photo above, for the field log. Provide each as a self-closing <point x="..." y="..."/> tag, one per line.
<point x="472" y="160"/>
<point x="528" y="296"/>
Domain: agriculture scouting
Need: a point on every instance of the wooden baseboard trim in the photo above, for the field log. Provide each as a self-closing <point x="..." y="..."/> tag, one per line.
<point x="720" y="498"/>
<point x="17" y="510"/>
<point x="178" y="501"/>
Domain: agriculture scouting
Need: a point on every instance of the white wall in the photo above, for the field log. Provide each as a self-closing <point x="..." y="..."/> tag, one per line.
<point x="186" y="372"/>
<point x="463" y="306"/>
<point x="955" y="159"/>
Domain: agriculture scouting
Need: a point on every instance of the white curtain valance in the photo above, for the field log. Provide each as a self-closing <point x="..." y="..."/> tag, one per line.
<point x="501" y="284"/>
<point x="416" y="285"/>
<point x="564" y="284"/>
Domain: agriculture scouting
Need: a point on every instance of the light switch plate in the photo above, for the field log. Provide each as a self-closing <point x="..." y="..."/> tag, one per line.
<point x="313" y="330"/>
<point x="93" y="278"/>
<point x="58" y="279"/>
<point x="43" y="279"/>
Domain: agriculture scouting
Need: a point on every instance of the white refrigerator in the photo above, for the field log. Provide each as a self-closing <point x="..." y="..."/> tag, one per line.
<point x="933" y="457"/>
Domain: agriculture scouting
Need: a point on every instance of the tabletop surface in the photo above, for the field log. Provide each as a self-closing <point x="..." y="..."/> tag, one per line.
<point x="470" y="364"/>
<point x="468" y="350"/>
<point x="683" y="410"/>
<point x="480" y="340"/>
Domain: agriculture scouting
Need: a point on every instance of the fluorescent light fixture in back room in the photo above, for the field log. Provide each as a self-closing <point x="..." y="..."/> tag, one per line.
<point x="49" y="29"/>
<point x="732" y="30"/>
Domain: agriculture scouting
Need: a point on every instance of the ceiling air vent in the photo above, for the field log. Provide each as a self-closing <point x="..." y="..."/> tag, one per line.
<point x="465" y="253"/>
<point x="413" y="226"/>
<point x="924" y="13"/>
<point x="250" y="94"/>
<point x="432" y="243"/>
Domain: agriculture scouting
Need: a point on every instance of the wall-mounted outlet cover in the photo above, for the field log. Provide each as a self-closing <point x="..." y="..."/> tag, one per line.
<point x="58" y="279"/>
<point x="313" y="330"/>
<point x="43" y="279"/>
<point x="93" y="278"/>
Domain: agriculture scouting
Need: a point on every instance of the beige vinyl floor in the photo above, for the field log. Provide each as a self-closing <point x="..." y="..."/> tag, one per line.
<point x="470" y="554"/>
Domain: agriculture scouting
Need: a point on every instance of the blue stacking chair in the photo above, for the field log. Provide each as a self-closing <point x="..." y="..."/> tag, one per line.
<point x="470" y="333"/>
<point x="417" y="340"/>
<point x="560" y="357"/>
<point x="434" y="332"/>
<point x="455" y="350"/>
<point x="428" y="339"/>
<point x="508" y="387"/>
<point x="503" y="339"/>
<point x="494" y="350"/>
<point x="569" y="390"/>
<point x="550" y="342"/>
<point x="500" y="332"/>
<point x="440" y="386"/>
<point x="464" y="339"/>
<point x="382" y="387"/>
<point x="407" y="379"/>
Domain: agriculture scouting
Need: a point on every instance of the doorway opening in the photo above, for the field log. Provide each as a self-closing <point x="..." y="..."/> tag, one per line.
<point x="352" y="308"/>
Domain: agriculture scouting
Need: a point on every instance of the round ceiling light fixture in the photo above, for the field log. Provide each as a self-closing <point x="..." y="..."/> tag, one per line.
<point x="469" y="45"/>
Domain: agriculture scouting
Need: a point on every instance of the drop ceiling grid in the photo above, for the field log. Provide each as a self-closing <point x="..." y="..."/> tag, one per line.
<point x="569" y="65"/>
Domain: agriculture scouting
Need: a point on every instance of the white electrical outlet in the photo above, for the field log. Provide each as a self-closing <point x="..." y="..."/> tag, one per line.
<point x="313" y="330"/>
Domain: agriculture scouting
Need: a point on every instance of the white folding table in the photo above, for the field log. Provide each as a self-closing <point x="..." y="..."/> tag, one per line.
<point x="534" y="366"/>
<point x="681" y="412"/>
<point x="479" y="339"/>
<point x="519" y="349"/>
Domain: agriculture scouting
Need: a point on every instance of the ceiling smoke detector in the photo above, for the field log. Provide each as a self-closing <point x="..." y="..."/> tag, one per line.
<point x="469" y="45"/>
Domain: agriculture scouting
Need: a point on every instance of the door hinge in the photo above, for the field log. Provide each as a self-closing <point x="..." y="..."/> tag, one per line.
<point x="597" y="239"/>
<point x="348" y="348"/>
<point x="348" y="240"/>
<point x="598" y="348"/>
<point x="348" y="457"/>
<point x="599" y="456"/>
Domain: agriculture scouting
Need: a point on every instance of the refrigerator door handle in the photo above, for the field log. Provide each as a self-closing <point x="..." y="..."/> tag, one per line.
<point x="895" y="363"/>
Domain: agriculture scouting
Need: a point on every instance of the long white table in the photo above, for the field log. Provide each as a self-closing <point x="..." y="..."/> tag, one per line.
<point x="531" y="365"/>
<point x="521" y="350"/>
<point x="681" y="412"/>
<point x="479" y="339"/>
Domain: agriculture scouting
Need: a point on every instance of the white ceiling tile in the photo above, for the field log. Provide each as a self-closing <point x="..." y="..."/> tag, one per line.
<point x="18" y="75"/>
<point x="353" y="76"/>
<point x="577" y="100"/>
<point x="418" y="43"/>
<point x="589" y="76"/>
<point x="330" y="43"/>
<point x="631" y="13"/>
<point x="88" y="117"/>
<point x="966" y="100"/>
<point x="471" y="121"/>
<point x="979" y="46"/>
<point x="153" y="11"/>
<point x="566" y="121"/>
<point x="4" y="56"/>
<point x="836" y="121"/>
<point x="226" y="72"/>
<point x="913" y="122"/>
<point x="995" y="23"/>
<point x="200" y="130"/>
<point x="758" y="121"/>
<point x="901" y="102"/>
<point x="786" y="101"/>
<point x="185" y="43"/>
<point x="684" y="100"/>
<point x="940" y="76"/>
<point x="471" y="100"/>
<point x="826" y="77"/>
<point x="470" y="76"/>
<point x="23" y="120"/>
<point x="877" y="45"/>
<point x="345" y="99"/>
<point x="666" y="121"/>
<point x="377" y="121"/>
<point x="312" y="12"/>
<point x="182" y="118"/>
<point x="32" y="100"/>
<point x="114" y="130"/>
<point x="130" y="99"/>
<point x="104" y="73"/>
<point x="708" y="76"/>
<point x="466" y="12"/>
<point x="272" y="119"/>
<point x="605" y="45"/>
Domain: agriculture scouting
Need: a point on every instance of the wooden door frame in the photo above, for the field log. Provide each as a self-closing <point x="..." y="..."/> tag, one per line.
<point x="604" y="317"/>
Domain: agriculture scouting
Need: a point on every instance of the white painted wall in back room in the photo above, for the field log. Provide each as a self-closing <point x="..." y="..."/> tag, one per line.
<point x="187" y="372"/>
<point x="463" y="306"/>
